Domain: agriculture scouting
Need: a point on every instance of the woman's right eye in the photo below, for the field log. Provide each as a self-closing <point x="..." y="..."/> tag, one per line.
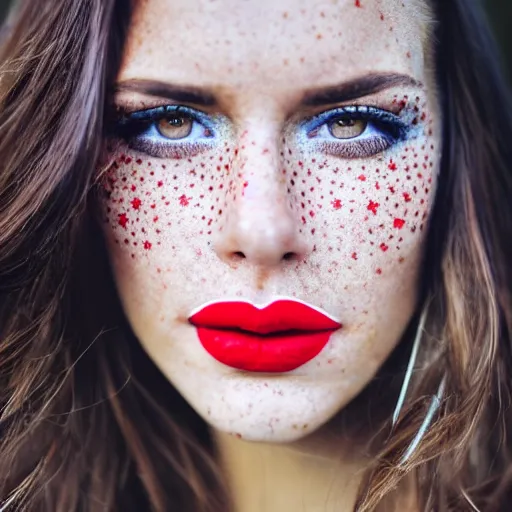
<point x="175" y="127"/>
<point x="173" y="131"/>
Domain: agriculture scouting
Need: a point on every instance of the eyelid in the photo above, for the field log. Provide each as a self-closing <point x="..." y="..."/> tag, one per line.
<point x="154" y="114"/>
<point x="367" y="113"/>
<point x="383" y="130"/>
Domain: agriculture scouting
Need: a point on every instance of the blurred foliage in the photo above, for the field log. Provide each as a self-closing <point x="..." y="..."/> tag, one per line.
<point x="500" y="13"/>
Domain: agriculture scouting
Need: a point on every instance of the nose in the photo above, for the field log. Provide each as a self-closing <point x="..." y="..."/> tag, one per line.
<point x="260" y="226"/>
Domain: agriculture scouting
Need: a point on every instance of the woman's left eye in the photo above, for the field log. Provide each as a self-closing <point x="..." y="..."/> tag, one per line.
<point x="172" y="131"/>
<point x="355" y="132"/>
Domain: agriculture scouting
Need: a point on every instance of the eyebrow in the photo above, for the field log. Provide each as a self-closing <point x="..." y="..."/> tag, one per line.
<point x="347" y="91"/>
<point x="357" y="88"/>
<point x="187" y="94"/>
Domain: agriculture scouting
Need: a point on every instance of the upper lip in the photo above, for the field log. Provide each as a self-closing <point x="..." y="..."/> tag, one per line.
<point x="279" y="315"/>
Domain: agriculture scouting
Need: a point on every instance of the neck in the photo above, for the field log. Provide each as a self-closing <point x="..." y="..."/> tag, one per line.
<point x="317" y="474"/>
<point x="306" y="475"/>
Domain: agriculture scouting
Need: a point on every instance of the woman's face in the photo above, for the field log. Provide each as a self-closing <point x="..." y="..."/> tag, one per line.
<point x="267" y="200"/>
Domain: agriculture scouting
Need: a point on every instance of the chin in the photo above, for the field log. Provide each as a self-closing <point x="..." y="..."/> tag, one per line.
<point x="281" y="433"/>
<point x="282" y="411"/>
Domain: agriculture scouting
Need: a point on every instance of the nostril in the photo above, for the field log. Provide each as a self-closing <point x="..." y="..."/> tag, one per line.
<point x="239" y="255"/>
<point x="289" y="256"/>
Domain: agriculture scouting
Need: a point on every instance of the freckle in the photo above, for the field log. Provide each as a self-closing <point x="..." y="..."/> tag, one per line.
<point x="378" y="271"/>
<point x="362" y="177"/>
<point x="123" y="220"/>
<point x="383" y="247"/>
<point x="136" y="202"/>
<point x="398" y="223"/>
<point x="357" y="3"/>
<point x="184" y="200"/>
<point x="372" y="206"/>
<point x="354" y="256"/>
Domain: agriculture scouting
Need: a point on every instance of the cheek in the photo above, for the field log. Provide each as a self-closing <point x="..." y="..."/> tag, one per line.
<point x="151" y="207"/>
<point x="370" y="213"/>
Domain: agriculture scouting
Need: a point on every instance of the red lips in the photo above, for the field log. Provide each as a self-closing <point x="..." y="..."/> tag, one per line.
<point x="280" y="337"/>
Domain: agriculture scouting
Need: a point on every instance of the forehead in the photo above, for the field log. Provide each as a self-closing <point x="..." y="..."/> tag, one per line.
<point x="275" y="44"/>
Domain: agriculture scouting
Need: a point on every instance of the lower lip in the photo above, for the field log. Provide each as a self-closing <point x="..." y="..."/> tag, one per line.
<point x="270" y="353"/>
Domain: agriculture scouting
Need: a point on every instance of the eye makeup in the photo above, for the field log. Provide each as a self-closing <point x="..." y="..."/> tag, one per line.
<point x="380" y="131"/>
<point x="150" y="131"/>
<point x="178" y="131"/>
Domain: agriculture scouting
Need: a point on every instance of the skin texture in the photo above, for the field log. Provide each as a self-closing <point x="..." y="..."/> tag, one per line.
<point x="264" y="209"/>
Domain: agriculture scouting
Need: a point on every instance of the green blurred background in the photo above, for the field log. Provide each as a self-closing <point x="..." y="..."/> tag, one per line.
<point x="500" y="12"/>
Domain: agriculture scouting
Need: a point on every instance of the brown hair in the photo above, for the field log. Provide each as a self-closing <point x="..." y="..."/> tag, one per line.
<point x="87" y="421"/>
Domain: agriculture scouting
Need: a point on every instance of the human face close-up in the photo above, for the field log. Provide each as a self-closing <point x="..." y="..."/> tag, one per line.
<point x="267" y="199"/>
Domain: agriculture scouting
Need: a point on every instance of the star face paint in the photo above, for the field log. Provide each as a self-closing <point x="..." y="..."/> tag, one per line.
<point x="294" y="152"/>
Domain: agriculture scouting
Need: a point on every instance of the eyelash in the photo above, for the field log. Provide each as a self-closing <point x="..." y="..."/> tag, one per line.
<point x="382" y="131"/>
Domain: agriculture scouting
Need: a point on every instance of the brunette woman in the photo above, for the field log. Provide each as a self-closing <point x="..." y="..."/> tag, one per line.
<point x="254" y="256"/>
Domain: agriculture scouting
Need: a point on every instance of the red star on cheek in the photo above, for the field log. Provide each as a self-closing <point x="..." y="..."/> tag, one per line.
<point x="372" y="207"/>
<point x="123" y="220"/>
<point x="399" y="223"/>
<point x="184" y="200"/>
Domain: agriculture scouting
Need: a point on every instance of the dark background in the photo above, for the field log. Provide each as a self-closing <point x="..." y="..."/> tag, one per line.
<point x="500" y="13"/>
